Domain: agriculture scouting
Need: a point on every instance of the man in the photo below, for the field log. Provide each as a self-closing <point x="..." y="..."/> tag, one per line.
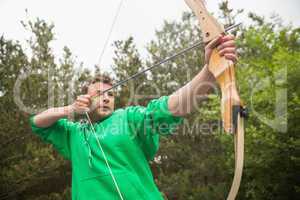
<point x="129" y="136"/>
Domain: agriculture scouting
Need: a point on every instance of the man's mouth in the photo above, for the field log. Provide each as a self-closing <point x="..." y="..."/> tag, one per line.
<point x="104" y="107"/>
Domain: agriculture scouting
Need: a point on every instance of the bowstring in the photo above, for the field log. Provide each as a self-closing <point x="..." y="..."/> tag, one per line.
<point x="86" y="113"/>
<point x="110" y="33"/>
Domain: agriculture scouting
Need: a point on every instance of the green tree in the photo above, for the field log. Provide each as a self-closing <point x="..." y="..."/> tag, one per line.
<point x="32" y="79"/>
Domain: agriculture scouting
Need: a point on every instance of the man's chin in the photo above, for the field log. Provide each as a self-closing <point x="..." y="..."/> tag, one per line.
<point x="103" y="113"/>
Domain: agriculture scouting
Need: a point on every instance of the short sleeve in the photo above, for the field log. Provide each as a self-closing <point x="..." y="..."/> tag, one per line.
<point x="149" y="122"/>
<point x="58" y="134"/>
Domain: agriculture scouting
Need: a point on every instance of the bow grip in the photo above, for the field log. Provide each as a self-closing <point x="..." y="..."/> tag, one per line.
<point x="223" y="71"/>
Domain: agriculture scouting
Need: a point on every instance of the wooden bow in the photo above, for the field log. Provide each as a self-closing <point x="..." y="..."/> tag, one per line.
<point x="233" y="113"/>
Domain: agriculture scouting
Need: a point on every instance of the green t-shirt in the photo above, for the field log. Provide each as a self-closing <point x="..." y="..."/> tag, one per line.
<point x="129" y="138"/>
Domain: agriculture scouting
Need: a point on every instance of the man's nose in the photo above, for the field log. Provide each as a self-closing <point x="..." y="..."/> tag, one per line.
<point x="105" y="98"/>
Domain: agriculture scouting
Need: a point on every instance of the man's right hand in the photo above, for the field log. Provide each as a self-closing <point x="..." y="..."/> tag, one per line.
<point x="82" y="104"/>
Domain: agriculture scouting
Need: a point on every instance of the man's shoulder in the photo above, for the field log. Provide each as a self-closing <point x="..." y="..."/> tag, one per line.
<point x="119" y="111"/>
<point x="125" y="109"/>
<point x="129" y="111"/>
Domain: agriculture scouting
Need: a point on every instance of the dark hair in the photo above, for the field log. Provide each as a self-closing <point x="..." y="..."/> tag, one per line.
<point x="102" y="78"/>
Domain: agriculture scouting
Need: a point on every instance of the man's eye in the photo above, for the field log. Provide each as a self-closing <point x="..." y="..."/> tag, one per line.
<point x="110" y="94"/>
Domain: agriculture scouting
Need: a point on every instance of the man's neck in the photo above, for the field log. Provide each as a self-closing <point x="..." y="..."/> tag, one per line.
<point x="96" y="118"/>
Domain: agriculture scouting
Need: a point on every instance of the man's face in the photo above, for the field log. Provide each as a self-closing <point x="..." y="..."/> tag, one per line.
<point x="102" y="104"/>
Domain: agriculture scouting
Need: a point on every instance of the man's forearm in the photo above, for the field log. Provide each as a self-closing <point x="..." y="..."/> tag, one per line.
<point x="186" y="99"/>
<point x="50" y="116"/>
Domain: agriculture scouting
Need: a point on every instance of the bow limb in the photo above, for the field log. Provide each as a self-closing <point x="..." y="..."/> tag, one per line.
<point x="232" y="113"/>
<point x="232" y="110"/>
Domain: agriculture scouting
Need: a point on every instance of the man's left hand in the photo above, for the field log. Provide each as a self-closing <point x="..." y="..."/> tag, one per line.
<point x="226" y="47"/>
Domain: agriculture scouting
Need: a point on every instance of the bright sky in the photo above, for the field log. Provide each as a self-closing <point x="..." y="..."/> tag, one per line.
<point x="83" y="25"/>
